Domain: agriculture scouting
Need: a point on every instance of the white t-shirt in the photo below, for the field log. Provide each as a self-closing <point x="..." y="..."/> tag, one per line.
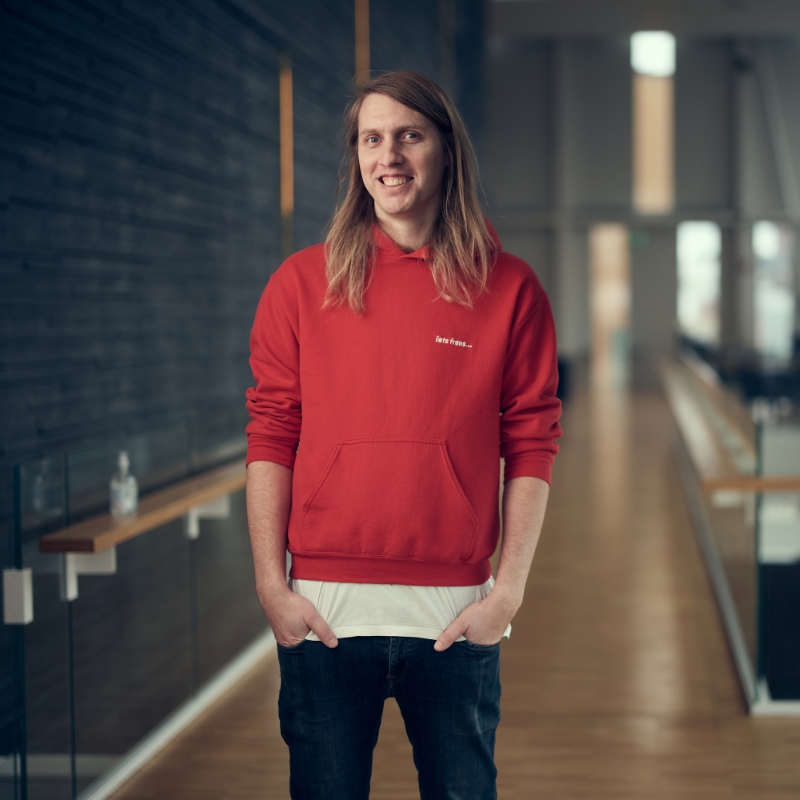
<point x="380" y="609"/>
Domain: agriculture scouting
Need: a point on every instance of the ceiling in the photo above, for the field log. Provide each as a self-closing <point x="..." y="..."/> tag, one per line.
<point x="526" y="18"/>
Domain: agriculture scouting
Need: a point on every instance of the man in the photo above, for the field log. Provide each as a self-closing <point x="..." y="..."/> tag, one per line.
<point x="404" y="357"/>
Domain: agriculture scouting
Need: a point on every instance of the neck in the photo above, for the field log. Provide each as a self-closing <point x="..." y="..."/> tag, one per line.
<point x="408" y="234"/>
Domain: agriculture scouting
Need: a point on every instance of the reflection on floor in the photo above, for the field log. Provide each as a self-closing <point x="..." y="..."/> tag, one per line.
<point x="617" y="681"/>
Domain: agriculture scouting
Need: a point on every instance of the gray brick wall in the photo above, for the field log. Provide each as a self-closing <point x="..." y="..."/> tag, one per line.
<point x="139" y="216"/>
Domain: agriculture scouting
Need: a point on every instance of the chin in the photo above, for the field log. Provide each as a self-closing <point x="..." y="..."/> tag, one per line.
<point x="393" y="211"/>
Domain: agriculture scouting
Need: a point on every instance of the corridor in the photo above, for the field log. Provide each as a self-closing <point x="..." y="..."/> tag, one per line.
<point x="617" y="680"/>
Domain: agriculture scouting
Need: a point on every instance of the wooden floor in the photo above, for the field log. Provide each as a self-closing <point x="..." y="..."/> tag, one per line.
<point x="617" y="681"/>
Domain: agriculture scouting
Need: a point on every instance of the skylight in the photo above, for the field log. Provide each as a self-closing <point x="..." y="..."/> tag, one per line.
<point x="653" y="53"/>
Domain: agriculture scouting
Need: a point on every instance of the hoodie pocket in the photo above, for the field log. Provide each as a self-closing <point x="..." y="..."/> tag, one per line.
<point x="389" y="499"/>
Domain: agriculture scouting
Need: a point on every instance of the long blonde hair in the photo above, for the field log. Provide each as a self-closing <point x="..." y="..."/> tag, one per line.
<point x="461" y="246"/>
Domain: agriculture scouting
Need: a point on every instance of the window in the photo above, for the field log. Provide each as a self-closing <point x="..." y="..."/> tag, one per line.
<point x="653" y="53"/>
<point x="609" y="264"/>
<point x="699" y="250"/>
<point x="773" y="291"/>
<point x="653" y="64"/>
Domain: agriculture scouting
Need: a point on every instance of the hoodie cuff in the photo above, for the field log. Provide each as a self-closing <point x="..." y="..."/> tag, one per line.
<point x="276" y="452"/>
<point x="529" y="465"/>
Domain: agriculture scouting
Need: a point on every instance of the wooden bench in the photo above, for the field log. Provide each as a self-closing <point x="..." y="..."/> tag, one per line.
<point x="165" y="505"/>
<point x="693" y="390"/>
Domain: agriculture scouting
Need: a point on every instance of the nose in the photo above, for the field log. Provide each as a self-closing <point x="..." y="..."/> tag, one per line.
<point x="390" y="153"/>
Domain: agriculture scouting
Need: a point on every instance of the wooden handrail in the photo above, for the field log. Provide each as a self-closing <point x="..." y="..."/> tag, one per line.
<point x="723" y="399"/>
<point x="712" y="461"/>
<point x="155" y="509"/>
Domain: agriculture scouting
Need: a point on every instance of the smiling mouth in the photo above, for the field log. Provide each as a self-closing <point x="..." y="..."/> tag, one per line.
<point x="391" y="180"/>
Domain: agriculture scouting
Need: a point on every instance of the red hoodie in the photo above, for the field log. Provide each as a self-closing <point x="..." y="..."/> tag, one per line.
<point x="405" y="411"/>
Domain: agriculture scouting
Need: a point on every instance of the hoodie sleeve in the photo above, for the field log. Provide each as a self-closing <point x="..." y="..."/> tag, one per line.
<point x="274" y="402"/>
<point x="529" y="410"/>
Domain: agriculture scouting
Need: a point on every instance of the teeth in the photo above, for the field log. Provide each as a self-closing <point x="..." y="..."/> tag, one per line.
<point x="394" y="181"/>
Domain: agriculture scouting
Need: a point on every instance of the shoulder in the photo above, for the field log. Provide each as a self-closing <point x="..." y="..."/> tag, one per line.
<point x="298" y="280"/>
<point x="511" y="275"/>
<point x="514" y="267"/>
<point x="515" y="288"/>
<point x="302" y="272"/>
<point x="305" y="262"/>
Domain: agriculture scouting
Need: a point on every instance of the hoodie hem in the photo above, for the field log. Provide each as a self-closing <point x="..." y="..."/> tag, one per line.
<point x="407" y="572"/>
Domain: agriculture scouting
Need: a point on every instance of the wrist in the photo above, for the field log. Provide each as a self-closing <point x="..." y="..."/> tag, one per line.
<point x="270" y="589"/>
<point x="507" y="598"/>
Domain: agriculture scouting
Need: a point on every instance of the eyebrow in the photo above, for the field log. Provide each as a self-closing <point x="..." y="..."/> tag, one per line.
<point x="409" y="127"/>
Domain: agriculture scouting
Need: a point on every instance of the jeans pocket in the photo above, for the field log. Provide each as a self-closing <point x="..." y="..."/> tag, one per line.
<point x="487" y="648"/>
<point x="290" y="648"/>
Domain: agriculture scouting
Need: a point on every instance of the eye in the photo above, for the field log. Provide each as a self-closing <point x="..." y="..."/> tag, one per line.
<point x="412" y="135"/>
<point x="372" y="139"/>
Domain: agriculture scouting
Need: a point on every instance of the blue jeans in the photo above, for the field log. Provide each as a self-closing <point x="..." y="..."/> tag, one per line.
<point x="331" y="702"/>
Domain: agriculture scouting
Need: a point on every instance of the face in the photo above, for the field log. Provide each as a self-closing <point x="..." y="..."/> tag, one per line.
<point x="402" y="160"/>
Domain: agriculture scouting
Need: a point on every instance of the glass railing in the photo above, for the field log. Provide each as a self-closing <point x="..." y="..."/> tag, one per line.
<point x="778" y="558"/>
<point x="748" y="515"/>
<point x="54" y="492"/>
<point x="94" y="676"/>
<point x="731" y="525"/>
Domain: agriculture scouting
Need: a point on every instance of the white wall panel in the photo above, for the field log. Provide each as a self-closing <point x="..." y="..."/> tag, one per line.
<point x="778" y="65"/>
<point x="760" y="187"/>
<point x="597" y="124"/>
<point x="518" y="124"/>
<point x="571" y="290"/>
<point x="654" y="291"/>
<point x="703" y="119"/>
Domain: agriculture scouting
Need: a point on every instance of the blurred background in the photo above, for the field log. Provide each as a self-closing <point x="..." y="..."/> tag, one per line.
<point x="158" y="161"/>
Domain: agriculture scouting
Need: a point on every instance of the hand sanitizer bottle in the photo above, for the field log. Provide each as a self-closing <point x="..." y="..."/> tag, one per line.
<point x="124" y="489"/>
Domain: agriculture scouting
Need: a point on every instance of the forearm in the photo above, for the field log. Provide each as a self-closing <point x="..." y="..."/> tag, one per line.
<point x="269" y="498"/>
<point x="524" y="504"/>
<point x="483" y="622"/>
